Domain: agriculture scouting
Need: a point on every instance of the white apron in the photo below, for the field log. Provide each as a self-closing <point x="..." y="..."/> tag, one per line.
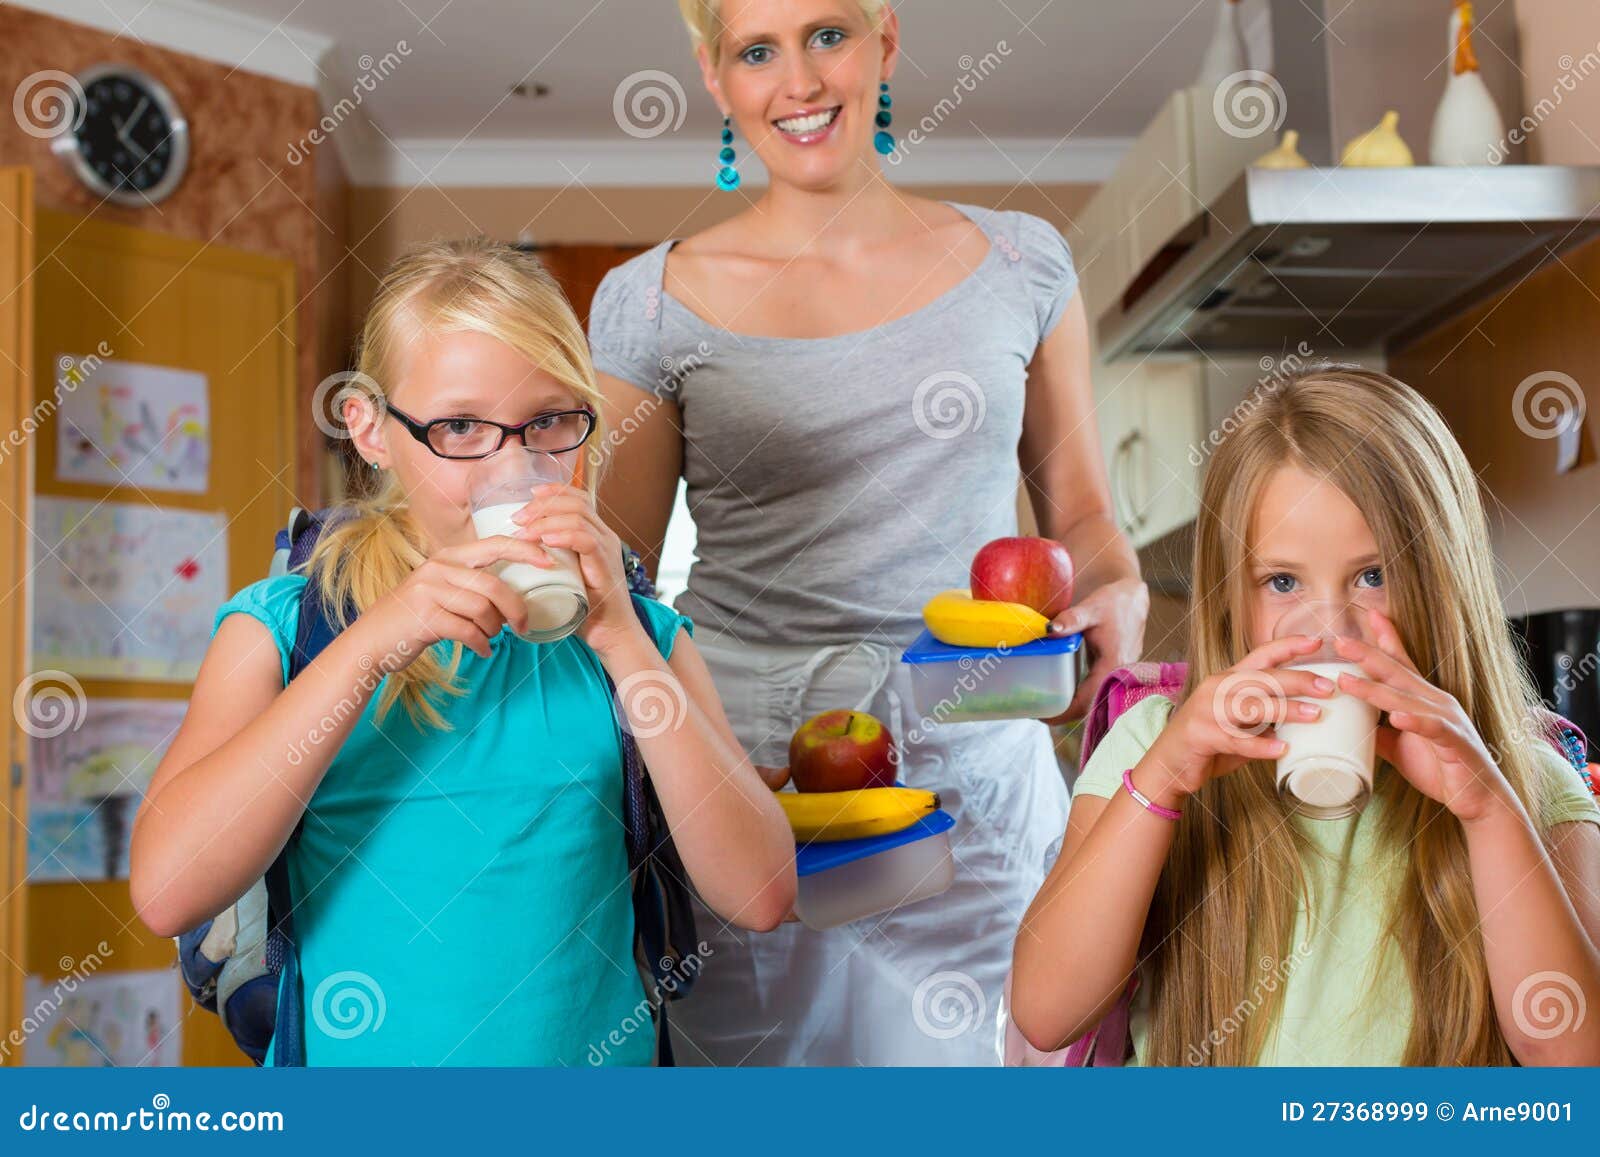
<point x="919" y="986"/>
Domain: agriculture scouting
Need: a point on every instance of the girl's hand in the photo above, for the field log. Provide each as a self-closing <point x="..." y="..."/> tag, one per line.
<point x="1112" y="619"/>
<point x="1427" y="736"/>
<point x="1225" y="721"/>
<point x="565" y="517"/>
<point x="451" y="596"/>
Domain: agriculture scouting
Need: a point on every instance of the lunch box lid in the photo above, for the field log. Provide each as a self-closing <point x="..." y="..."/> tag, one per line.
<point x="819" y="857"/>
<point x="927" y="649"/>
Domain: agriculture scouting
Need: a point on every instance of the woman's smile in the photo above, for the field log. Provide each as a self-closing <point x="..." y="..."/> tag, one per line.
<point x="809" y="126"/>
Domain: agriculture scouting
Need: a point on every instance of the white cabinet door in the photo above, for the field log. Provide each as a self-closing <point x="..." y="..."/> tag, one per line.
<point x="1150" y="416"/>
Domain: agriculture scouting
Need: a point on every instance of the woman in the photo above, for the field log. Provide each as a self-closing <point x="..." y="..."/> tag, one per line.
<point x="845" y="375"/>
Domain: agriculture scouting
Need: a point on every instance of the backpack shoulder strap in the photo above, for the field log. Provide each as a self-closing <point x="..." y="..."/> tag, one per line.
<point x="1121" y="690"/>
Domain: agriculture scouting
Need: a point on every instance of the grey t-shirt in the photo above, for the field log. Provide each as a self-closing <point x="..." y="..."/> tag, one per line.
<point x="837" y="483"/>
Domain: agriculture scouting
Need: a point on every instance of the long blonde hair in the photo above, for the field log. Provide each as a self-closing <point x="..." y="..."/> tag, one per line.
<point x="704" y="21"/>
<point x="1225" y="906"/>
<point x="466" y="286"/>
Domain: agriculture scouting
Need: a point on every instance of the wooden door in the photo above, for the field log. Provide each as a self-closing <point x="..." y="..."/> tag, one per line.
<point x="16" y="396"/>
<point x="175" y="303"/>
<point x="579" y="268"/>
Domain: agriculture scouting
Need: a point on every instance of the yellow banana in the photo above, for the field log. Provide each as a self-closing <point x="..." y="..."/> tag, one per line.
<point x="960" y="620"/>
<point x="825" y="816"/>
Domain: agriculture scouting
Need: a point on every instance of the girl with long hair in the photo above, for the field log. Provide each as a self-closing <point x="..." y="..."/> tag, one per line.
<point x="1448" y="923"/>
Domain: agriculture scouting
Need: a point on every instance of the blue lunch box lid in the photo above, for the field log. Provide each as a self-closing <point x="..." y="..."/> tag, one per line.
<point x="927" y="649"/>
<point x="819" y="857"/>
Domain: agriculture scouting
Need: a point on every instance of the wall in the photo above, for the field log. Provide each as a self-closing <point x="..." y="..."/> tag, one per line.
<point x="1546" y="526"/>
<point x="240" y="191"/>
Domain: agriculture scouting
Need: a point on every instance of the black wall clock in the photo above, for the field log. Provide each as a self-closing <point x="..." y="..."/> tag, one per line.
<point x="130" y="143"/>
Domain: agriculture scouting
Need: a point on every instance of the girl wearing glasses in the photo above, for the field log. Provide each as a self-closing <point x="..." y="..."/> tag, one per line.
<point x="449" y="793"/>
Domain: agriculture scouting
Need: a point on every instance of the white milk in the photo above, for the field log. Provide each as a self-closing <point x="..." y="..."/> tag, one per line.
<point x="555" y="596"/>
<point x="1328" y="767"/>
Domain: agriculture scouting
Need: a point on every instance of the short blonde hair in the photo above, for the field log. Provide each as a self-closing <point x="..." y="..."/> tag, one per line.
<point x="704" y="20"/>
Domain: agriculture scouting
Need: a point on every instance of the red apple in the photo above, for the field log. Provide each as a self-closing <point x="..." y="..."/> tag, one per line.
<point x="841" y="751"/>
<point x="1036" y="572"/>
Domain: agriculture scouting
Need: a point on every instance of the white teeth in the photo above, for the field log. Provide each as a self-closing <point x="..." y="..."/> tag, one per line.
<point x="808" y="124"/>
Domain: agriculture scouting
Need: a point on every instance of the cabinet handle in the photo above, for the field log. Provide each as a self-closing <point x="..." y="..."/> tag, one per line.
<point x="1121" y="498"/>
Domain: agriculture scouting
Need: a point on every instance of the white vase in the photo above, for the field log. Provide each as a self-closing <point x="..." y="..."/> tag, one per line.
<point x="1467" y="128"/>
<point x="1226" y="54"/>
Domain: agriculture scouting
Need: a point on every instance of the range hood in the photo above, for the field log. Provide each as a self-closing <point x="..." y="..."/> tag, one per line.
<point x="1351" y="258"/>
<point x="1354" y="258"/>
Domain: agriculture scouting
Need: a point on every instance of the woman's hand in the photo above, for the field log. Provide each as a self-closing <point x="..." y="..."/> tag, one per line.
<point x="565" y="517"/>
<point x="1112" y="619"/>
<point x="1427" y="737"/>
<point x="1224" y="721"/>
<point x="450" y="596"/>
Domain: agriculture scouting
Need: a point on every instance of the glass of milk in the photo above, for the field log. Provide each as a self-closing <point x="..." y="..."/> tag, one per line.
<point x="1327" y="771"/>
<point x="498" y="487"/>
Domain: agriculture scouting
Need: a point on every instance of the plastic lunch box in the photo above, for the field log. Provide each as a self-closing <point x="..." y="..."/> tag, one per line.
<point x="967" y="684"/>
<point x="850" y="879"/>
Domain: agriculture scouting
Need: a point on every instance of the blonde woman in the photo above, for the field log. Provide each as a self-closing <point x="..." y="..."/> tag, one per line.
<point x="1454" y="921"/>
<point x="845" y="376"/>
<point x="454" y="843"/>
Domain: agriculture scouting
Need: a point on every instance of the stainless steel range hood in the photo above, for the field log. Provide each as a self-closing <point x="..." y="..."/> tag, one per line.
<point x="1353" y="258"/>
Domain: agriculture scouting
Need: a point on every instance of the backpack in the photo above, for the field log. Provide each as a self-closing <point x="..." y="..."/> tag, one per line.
<point x="1110" y="1042"/>
<point x="233" y="964"/>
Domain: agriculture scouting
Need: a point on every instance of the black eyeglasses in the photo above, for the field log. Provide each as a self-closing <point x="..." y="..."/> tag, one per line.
<point x="552" y="433"/>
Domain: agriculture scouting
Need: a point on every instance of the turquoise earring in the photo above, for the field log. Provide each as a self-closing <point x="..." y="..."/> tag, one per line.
<point x="727" y="175"/>
<point x="884" y="140"/>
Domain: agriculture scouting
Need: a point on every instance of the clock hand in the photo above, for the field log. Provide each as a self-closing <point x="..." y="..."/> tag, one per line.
<point x="144" y="103"/>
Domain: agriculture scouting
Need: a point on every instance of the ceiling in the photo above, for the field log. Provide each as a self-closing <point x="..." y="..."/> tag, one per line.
<point x="1064" y="78"/>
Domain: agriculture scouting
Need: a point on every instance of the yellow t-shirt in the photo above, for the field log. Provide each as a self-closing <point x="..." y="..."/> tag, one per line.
<point x="1345" y="996"/>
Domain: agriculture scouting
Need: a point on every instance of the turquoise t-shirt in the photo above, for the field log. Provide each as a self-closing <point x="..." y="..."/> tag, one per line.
<point x="461" y="897"/>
